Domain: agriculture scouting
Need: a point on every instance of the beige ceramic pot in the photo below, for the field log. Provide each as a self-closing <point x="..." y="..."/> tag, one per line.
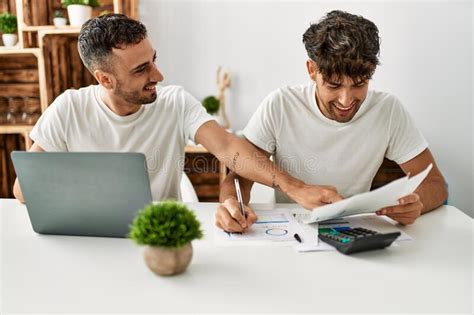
<point x="168" y="261"/>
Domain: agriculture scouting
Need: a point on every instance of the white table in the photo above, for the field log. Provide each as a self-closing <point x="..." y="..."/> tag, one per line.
<point x="45" y="274"/>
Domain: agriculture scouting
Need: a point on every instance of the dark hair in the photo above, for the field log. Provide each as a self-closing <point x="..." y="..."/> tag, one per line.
<point x="99" y="35"/>
<point x="343" y="44"/>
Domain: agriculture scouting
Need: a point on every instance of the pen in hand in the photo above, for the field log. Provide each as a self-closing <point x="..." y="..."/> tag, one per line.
<point x="239" y="197"/>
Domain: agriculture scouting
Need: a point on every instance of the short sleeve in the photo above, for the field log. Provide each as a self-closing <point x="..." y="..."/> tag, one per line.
<point x="263" y="128"/>
<point x="50" y="132"/>
<point x="406" y="141"/>
<point x="195" y="115"/>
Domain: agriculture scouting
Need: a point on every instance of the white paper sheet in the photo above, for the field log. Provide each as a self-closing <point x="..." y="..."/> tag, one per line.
<point x="273" y="227"/>
<point x="284" y="222"/>
<point x="368" y="202"/>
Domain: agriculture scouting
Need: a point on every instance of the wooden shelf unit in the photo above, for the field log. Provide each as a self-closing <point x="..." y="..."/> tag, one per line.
<point x="23" y="130"/>
<point x="20" y="51"/>
<point x="205" y="172"/>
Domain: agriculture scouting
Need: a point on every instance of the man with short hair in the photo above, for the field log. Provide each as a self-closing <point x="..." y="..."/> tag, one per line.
<point x="335" y="131"/>
<point x="129" y="112"/>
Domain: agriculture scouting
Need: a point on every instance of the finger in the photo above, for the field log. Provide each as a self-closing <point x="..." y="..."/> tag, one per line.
<point x="412" y="207"/>
<point x="405" y="220"/>
<point x="251" y="216"/>
<point x="218" y="224"/>
<point x="331" y="196"/>
<point x="406" y="217"/>
<point x="227" y="221"/>
<point x="385" y="211"/>
<point x="402" y="217"/>
<point x="411" y="198"/>
<point x="233" y="208"/>
<point x="406" y="214"/>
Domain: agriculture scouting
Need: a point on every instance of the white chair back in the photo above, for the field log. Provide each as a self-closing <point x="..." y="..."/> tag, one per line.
<point x="188" y="194"/>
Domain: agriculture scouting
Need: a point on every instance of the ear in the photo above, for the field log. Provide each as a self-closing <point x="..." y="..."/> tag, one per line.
<point x="312" y="70"/>
<point x="107" y="80"/>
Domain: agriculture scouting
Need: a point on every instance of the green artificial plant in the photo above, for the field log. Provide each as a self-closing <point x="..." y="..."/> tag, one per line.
<point x="211" y="103"/>
<point x="92" y="3"/>
<point x="167" y="224"/>
<point x="8" y="23"/>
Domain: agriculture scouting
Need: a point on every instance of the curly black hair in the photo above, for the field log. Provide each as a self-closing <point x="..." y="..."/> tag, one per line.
<point x="343" y="44"/>
<point x="99" y="35"/>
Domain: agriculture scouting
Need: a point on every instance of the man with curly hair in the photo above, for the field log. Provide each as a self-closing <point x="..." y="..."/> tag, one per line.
<point x="335" y="132"/>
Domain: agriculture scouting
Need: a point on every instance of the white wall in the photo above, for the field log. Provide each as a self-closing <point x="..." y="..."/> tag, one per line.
<point x="426" y="57"/>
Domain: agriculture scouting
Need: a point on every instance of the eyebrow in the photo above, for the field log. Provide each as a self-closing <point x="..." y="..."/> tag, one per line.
<point x="143" y="64"/>
<point x="354" y="83"/>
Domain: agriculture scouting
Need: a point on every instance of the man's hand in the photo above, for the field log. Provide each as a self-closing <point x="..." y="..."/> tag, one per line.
<point x="230" y="219"/>
<point x="312" y="196"/>
<point x="406" y="212"/>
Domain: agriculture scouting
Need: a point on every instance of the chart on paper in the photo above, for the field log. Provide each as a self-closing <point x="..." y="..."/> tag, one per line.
<point x="271" y="226"/>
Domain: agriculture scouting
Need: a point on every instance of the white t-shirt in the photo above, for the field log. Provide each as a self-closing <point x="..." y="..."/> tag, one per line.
<point x="318" y="150"/>
<point x="79" y="121"/>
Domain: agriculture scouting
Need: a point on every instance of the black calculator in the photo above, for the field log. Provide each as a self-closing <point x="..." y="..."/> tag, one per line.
<point x="353" y="240"/>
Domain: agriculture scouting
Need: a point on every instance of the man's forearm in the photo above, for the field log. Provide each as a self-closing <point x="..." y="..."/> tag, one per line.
<point x="433" y="194"/>
<point x="228" y="188"/>
<point x="242" y="158"/>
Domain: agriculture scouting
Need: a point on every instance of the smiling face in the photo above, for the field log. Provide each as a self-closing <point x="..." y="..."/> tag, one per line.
<point x="338" y="99"/>
<point x="135" y="73"/>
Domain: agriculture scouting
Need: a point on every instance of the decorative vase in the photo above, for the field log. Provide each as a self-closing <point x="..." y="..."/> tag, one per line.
<point x="168" y="261"/>
<point x="59" y="21"/>
<point x="9" y="40"/>
<point x="78" y="14"/>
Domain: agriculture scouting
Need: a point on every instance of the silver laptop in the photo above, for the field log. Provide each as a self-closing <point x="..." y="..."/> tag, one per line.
<point x="88" y="194"/>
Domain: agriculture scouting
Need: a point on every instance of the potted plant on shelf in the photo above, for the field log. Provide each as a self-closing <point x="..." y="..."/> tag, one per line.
<point x="8" y="26"/>
<point x="212" y="104"/>
<point x="79" y="11"/>
<point x="59" y="19"/>
<point x="167" y="230"/>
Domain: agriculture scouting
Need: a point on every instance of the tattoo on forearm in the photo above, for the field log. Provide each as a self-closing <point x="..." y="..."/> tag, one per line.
<point x="274" y="184"/>
<point x="234" y="160"/>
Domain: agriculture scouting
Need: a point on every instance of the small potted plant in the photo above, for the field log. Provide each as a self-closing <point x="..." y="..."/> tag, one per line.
<point x="211" y="104"/>
<point x="79" y="11"/>
<point x="8" y="26"/>
<point x="59" y="19"/>
<point x="166" y="229"/>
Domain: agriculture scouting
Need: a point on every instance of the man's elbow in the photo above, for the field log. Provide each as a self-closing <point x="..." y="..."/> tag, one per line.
<point x="441" y="197"/>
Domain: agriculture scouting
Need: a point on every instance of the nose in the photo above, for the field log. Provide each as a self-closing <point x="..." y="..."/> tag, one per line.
<point x="345" y="98"/>
<point x="156" y="75"/>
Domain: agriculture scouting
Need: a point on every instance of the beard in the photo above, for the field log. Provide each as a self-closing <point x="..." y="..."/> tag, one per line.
<point x="329" y="109"/>
<point x="135" y="97"/>
<point x="342" y="117"/>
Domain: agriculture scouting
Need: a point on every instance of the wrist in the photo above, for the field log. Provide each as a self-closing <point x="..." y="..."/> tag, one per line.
<point x="290" y="186"/>
<point x="223" y="198"/>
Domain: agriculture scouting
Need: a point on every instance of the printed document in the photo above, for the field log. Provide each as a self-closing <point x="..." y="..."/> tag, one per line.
<point x="368" y="202"/>
<point x="273" y="227"/>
